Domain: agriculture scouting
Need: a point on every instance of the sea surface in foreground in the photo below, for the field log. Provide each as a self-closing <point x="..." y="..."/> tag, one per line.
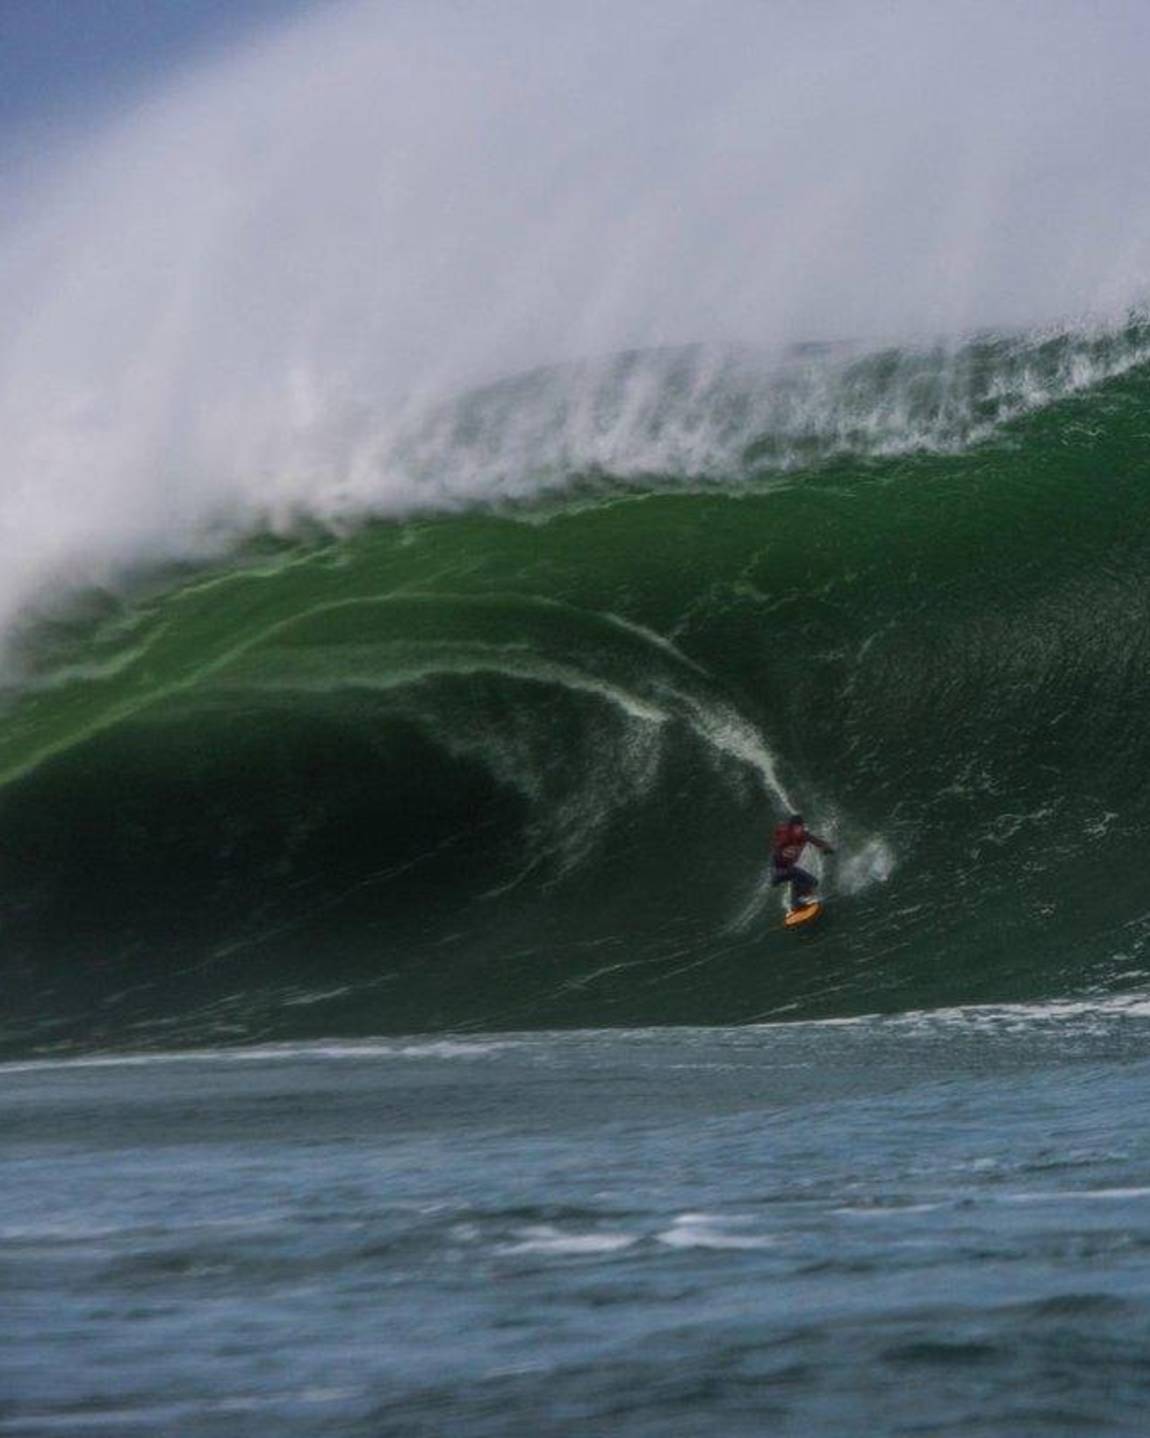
<point x="930" y="1224"/>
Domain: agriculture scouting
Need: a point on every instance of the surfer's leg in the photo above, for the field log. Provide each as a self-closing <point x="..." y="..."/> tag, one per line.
<point x="802" y="886"/>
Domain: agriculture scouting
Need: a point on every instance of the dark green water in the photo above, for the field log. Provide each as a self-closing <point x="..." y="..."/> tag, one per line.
<point x="511" y="767"/>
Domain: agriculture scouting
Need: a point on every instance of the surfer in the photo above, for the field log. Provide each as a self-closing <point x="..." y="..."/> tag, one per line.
<point x="790" y="839"/>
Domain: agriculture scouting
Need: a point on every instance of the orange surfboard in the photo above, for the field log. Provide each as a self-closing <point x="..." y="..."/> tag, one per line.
<point x="809" y="911"/>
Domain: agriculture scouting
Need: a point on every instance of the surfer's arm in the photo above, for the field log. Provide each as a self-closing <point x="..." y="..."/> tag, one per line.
<point x="820" y="844"/>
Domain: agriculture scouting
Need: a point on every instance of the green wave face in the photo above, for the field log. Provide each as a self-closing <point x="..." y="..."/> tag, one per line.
<point x="520" y="769"/>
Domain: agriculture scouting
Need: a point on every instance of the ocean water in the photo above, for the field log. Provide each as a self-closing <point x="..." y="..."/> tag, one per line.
<point x="445" y="524"/>
<point x="400" y="1034"/>
<point x="928" y="1224"/>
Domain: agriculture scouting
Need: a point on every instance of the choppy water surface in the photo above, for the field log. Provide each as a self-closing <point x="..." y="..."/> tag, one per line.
<point x="929" y="1224"/>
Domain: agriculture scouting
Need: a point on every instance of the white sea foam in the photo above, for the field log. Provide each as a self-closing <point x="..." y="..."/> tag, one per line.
<point x="994" y="1016"/>
<point x="702" y="1230"/>
<point x="314" y="1050"/>
<point x="871" y="862"/>
<point x="1006" y="1018"/>
<point x="248" y="297"/>
<point x="1073" y="1195"/>
<point x="544" y="1238"/>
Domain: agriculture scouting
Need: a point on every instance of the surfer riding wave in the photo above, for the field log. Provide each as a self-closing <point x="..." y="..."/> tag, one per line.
<point x="790" y="839"/>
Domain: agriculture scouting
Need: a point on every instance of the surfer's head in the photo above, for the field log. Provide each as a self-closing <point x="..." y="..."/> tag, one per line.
<point x="796" y="820"/>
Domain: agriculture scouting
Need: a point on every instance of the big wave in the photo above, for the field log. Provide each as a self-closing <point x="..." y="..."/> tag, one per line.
<point x="464" y="470"/>
<point x="517" y="766"/>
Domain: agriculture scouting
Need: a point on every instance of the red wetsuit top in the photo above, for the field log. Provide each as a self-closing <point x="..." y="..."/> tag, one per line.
<point x="789" y="842"/>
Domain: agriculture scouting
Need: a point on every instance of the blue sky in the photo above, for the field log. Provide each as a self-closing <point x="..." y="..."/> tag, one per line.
<point x="64" y="59"/>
